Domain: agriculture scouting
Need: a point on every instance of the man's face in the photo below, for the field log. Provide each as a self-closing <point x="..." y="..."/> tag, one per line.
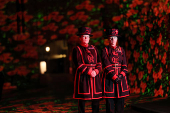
<point x="84" y="39"/>
<point x="113" y="40"/>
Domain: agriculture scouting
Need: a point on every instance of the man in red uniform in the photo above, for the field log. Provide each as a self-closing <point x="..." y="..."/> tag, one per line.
<point x="87" y="82"/>
<point x="114" y="80"/>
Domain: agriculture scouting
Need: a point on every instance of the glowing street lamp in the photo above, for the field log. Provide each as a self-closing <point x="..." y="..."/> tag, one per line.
<point x="43" y="67"/>
<point x="47" y="49"/>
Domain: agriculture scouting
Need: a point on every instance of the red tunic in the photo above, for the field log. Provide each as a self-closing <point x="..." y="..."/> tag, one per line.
<point x="114" y="63"/>
<point x="87" y="59"/>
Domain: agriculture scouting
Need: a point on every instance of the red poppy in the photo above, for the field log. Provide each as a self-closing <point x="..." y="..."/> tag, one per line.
<point x="147" y="79"/>
<point x="156" y="11"/>
<point x="2" y="23"/>
<point x="41" y="41"/>
<point x="58" y="18"/>
<point x="160" y="73"/>
<point x="152" y="42"/>
<point x="137" y="70"/>
<point x="28" y="18"/>
<point x="1" y="68"/>
<point x="22" y="70"/>
<point x="37" y="23"/>
<point x="37" y="32"/>
<point x="70" y="12"/>
<point x="12" y="17"/>
<point x="94" y="22"/>
<point x="73" y="17"/>
<point x="53" y="28"/>
<point x="145" y="56"/>
<point x="70" y="26"/>
<point x="156" y="93"/>
<point x="136" y="55"/>
<point x="133" y="43"/>
<point x="85" y="17"/>
<point x="145" y="10"/>
<point x="109" y="1"/>
<point x="130" y="67"/>
<point x="156" y="50"/>
<point x="21" y="37"/>
<point x="101" y="6"/>
<point x="153" y="60"/>
<point x="89" y="7"/>
<point x="46" y="18"/>
<point x="164" y="58"/>
<point x="166" y="45"/>
<point x="161" y="91"/>
<point x="126" y="24"/>
<point x="126" y="44"/>
<point x="64" y="23"/>
<point x="79" y="14"/>
<point x="16" y="61"/>
<point x="34" y="65"/>
<point x="155" y="75"/>
<point x="40" y="37"/>
<point x="6" y="57"/>
<point x="2" y="6"/>
<point x="2" y="48"/>
<point x="142" y="28"/>
<point x="167" y="89"/>
<point x="140" y="75"/>
<point x="149" y="67"/>
<point x="13" y="25"/>
<point x="19" y="47"/>
<point x="78" y="7"/>
<point x="63" y="31"/>
<point x="5" y="28"/>
<point x="128" y="54"/>
<point x="53" y="37"/>
<point x="160" y="21"/>
<point x="140" y="39"/>
<point x="143" y="86"/>
<point x="132" y="78"/>
<point x="72" y="31"/>
<point x="34" y="76"/>
<point x="135" y="90"/>
<point x="116" y="2"/>
<point x="97" y="34"/>
<point x="116" y="18"/>
<point x="73" y="39"/>
<point x="55" y="13"/>
<point x="11" y="73"/>
<point x="30" y="48"/>
<point x="134" y="31"/>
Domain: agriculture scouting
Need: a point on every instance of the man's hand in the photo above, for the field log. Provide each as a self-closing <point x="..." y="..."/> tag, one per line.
<point x="93" y="73"/>
<point x="117" y="80"/>
<point x="120" y="76"/>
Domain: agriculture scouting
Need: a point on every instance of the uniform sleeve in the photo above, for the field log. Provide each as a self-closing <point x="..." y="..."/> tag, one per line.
<point x="98" y="67"/>
<point x="108" y="68"/>
<point x="77" y="59"/>
<point x="124" y="64"/>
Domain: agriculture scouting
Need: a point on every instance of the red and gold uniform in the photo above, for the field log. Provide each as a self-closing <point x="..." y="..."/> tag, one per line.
<point x="86" y="59"/>
<point x="114" y="63"/>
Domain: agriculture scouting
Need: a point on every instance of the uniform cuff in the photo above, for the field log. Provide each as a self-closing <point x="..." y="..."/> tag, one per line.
<point x="122" y="73"/>
<point x="89" y="72"/>
<point x="97" y="71"/>
<point x="114" y="77"/>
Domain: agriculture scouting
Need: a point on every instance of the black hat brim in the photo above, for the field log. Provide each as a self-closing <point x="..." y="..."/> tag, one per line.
<point x="84" y="34"/>
<point x="106" y="37"/>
